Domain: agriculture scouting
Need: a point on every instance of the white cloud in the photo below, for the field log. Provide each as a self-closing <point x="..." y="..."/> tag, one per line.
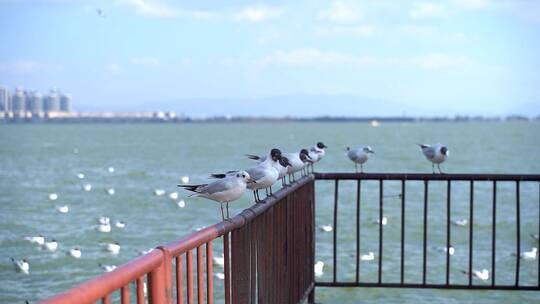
<point x="354" y="31"/>
<point x="27" y="67"/>
<point x="257" y="14"/>
<point x="159" y="10"/>
<point x="314" y="57"/>
<point x="427" y="10"/>
<point x="146" y="61"/>
<point x="342" y="12"/>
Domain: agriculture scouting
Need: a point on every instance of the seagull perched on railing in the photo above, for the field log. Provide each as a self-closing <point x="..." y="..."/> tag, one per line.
<point x="359" y="156"/>
<point x="228" y="189"/>
<point x="298" y="161"/>
<point x="436" y="154"/>
<point x="316" y="153"/>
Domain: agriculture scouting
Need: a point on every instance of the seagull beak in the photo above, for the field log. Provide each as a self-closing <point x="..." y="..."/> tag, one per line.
<point x="251" y="181"/>
<point x="371" y="151"/>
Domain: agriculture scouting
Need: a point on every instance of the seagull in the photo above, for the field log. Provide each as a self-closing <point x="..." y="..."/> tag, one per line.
<point x="451" y="250"/>
<point x="326" y="228"/>
<point x="103" y="228"/>
<point x="482" y="275"/>
<point x="21" y="265"/>
<point x="298" y="161"/>
<point x="113" y="248"/>
<point x="75" y="252"/>
<point x="318" y="268"/>
<point x="220" y="275"/>
<point x="173" y="195"/>
<point x="384" y="221"/>
<point x="284" y="166"/>
<point x="368" y="257"/>
<point x="120" y="224"/>
<point x="225" y="190"/>
<point x="62" y="209"/>
<point x="111" y="169"/>
<point x="53" y="196"/>
<point x="87" y="187"/>
<point x="40" y="239"/>
<point x="436" y="154"/>
<point x="359" y="156"/>
<point x="184" y="179"/>
<point x="159" y="192"/>
<point x="316" y="152"/>
<point x="104" y="220"/>
<point x="80" y="175"/>
<point x="143" y="252"/>
<point x="529" y="255"/>
<point x="110" y="191"/>
<point x="51" y="245"/>
<point x="219" y="260"/>
<point x="181" y="204"/>
<point x="462" y="222"/>
<point x="107" y="268"/>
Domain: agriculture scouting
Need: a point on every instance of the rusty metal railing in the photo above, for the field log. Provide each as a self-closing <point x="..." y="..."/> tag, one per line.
<point x="492" y="181"/>
<point x="268" y="258"/>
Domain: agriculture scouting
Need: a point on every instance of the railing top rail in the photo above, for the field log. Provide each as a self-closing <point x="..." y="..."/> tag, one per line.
<point x="94" y="289"/>
<point x="427" y="176"/>
<point x="212" y="232"/>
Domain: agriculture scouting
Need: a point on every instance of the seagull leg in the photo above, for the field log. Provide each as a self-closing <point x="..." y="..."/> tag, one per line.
<point x="222" y="215"/>
<point x="255" y="196"/>
<point x="433" y="167"/>
<point x="228" y="210"/>
<point x="266" y="190"/>
<point x="440" y="171"/>
<point x="271" y="191"/>
<point x="356" y="167"/>
<point x="361" y="168"/>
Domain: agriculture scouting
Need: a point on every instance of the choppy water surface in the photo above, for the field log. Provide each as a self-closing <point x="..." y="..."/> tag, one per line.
<point x="36" y="160"/>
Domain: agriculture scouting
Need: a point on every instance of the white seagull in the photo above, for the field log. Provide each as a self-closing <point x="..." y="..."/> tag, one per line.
<point x="75" y="252"/>
<point x="173" y="195"/>
<point x="120" y="224"/>
<point x="104" y="220"/>
<point x="219" y="260"/>
<point x="21" y="265"/>
<point x="318" y="268"/>
<point x="326" y="228"/>
<point x="451" y="250"/>
<point x="317" y="152"/>
<point x="460" y="222"/>
<point x="368" y="257"/>
<point x="53" y="196"/>
<point x="104" y="228"/>
<point x="184" y="179"/>
<point x="113" y="248"/>
<point x="482" y="275"/>
<point x="51" y="245"/>
<point x="223" y="191"/>
<point x="530" y="255"/>
<point x="298" y="161"/>
<point x="87" y="187"/>
<point x="384" y="221"/>
<point x="62" y="209"/>
<point x="80" y="175"/>
<point x="107" y="268"/>
<point x="436" y="154"/>
<point x="40" y="239"/>
<point x="359" y="156"/>
<point x="181" y="204"/>
<point x="159" y="192"/>
<point x="110" y="191"/>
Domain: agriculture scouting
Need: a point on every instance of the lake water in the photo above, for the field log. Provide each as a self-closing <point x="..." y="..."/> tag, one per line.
<point x="36" y="160"/>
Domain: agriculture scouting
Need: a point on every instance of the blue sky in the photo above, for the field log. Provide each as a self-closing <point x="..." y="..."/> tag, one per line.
<point x="355" y="58"/>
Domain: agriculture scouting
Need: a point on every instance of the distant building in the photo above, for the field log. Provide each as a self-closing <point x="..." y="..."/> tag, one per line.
<point x="34" y="103"/>
<point x="18" y="101"/>
<point x="52" y="102"/>
<point x="4" y="99"/>
<point x="65" y="103"/>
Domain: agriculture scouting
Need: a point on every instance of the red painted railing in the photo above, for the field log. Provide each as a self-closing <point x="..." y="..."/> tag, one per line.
<point x="268" y="258"/>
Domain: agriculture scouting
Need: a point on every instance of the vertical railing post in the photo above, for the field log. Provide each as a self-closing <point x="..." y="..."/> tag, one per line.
<point x="157" y="282"/>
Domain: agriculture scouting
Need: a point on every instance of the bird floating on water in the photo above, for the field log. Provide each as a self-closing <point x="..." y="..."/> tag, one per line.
<point x="104" y="220"/>
<point x="80" y="175"/>
<point x="530" y="255"/>
<point x="436" y="154"/>
<point x="40" y="239"/>
<point x="368" y="257"/>
<point x="21" y="265"/>
<point x="318" y="268"/>
<point x="219" y="260"/>
<point x="120" y="224"/>
<point x="184" y="179"/>
<point x="87" y="187"/>
<point x="223" y="191"/>
<point x="359" y="156"/>
<point x="173" y="195"/>
<point x="378" y="221"/>
<point x="326" y="228"/>
<point x="110" y="191"/>
<point x="107" y="268"/>
<point x="459" y="222"/>
<point x="113" y="248"/>
<point x="181" y="204"/>
<point x="51" y="246"/>
<point x="62" y="209"/>
<point x="451" y="250"/>
<point x="75" y="252"/>
<point x="159" y="192"/>
<point x="104" y="228"/>
<point x="53" y="196"/>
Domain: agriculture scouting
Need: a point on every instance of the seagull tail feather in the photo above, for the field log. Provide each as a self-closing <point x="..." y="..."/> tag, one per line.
<point x="254" y="157"/>
<point x="220" y="175"/>
<point x="192" y="188"/>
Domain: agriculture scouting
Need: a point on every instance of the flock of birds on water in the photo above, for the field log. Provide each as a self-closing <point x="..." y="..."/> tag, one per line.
<point x="231" y="185"/>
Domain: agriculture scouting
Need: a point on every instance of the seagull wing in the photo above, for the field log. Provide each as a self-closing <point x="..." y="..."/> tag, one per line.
<point x="257" y="172"/>
<point x="429" y="152"/>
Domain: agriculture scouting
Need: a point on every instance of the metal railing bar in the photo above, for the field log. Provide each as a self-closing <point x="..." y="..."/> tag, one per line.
<point x="538" y="272"/>
<point x="200" y="276"/>
<point x="358" y="194"/>
<point x="336" y="189"/>
<point x="423" y="286"/>
<point x="379" y="278"/>
<point x="448" y="236"/>
<point x="427" y="176"/>
<point x="140" y="290"/>
<point x="179" y="281"/>
<point x="424" y="256"/>
<point x="518" y="233"/>
<point x="209" y="274"/>
<point x="227" y="268"/>
<point x="189" y="276"/>
<point x="402" y="265"/>
<point x="124" y="294"/>
<point x="493" y="233"/>
<point x="106" y="299"/>
<point x="471" y="219"/>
